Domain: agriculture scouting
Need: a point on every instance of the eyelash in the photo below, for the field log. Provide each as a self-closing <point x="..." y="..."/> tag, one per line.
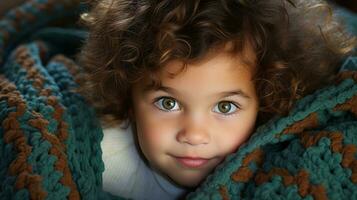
<point x="167" y="97"/>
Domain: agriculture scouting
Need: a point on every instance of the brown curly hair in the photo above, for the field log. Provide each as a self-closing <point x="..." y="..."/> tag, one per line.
<point x="299" y="46"/>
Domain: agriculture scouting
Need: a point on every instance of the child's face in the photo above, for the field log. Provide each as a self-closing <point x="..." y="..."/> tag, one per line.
<point x="193" y="118"/>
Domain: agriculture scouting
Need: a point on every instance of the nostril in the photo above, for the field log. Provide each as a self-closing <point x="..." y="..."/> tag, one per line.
<point x="193" y="137"/>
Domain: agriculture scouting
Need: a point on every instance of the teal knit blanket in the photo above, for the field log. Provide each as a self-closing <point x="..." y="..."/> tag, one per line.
<point x="50" y="137"/>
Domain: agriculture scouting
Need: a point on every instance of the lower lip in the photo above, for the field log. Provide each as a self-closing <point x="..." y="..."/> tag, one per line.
<point x="193" y="163"/>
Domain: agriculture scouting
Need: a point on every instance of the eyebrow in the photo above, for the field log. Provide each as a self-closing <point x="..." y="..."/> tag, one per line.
<point x="237" y="92"/>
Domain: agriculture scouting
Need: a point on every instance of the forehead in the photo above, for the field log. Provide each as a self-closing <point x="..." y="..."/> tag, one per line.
<point x="246" y="58"/>
<point x="220" y="70"/>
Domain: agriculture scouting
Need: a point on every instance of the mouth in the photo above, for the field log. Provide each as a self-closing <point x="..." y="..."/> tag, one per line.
<point x="192" y="162"/>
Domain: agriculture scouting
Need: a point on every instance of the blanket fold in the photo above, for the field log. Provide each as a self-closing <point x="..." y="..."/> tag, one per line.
<point x="50" y="136"/>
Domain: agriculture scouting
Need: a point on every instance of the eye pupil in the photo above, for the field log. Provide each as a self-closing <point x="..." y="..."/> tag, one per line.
<point x="168" y="104"/>
<point x="224" y="107"/>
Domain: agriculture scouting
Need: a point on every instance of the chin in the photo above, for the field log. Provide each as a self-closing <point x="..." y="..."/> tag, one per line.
<point x="188" y="182"/>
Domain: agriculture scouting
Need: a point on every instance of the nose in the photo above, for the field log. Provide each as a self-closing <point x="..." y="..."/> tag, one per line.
<point x="194" y="132"/>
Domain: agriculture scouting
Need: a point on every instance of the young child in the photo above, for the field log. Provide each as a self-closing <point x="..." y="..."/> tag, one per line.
<point x="182" y="84"/>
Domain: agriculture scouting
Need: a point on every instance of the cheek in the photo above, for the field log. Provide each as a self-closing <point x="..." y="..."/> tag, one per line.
<point x="236" y="135"/>
<point x="153" y="139"/>
<point x="153" y="136"/>
<point x="231" y="145"/>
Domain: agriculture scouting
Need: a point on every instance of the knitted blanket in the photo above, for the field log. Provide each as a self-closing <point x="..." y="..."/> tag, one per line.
<point x="50" y="137"/>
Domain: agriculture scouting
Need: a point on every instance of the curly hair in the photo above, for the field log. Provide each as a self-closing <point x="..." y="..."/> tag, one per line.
<point x="299" y="46"/>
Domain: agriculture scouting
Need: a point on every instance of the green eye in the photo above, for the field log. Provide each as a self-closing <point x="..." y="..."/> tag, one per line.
<point x="166" y="104"/>
<point x="225" y="106"/>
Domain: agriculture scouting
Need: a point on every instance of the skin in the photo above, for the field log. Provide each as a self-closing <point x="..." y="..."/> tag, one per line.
<point x="192" y="120"/>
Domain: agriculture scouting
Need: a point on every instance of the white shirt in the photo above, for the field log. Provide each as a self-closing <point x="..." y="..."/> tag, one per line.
<point x="126" y="174"/>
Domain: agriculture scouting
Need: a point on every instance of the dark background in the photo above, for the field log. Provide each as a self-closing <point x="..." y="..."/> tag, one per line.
<point x="349" y="4"/>
<point x="5" y="5"/>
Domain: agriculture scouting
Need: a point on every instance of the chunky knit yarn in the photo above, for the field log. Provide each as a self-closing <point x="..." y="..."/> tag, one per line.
<point x="50" y="137"/>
